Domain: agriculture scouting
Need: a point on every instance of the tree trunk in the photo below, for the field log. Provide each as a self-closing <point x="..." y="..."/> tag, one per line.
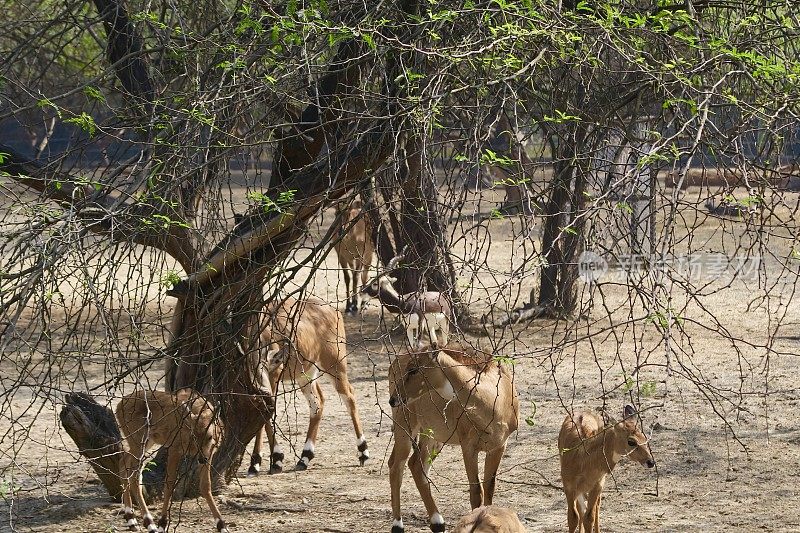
<point x="562" y="238"/>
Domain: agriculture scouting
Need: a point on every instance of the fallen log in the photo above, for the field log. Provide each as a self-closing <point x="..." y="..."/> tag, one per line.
<point x="94" y="429"/>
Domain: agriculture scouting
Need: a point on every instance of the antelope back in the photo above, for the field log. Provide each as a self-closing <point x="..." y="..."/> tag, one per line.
<point x="490" y="519"/>
<point x="309" y="327"/>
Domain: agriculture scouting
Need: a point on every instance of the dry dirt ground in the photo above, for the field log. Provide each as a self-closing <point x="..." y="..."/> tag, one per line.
<point x="705" y="480"/>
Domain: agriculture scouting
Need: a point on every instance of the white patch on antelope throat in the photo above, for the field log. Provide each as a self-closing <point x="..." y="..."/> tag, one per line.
<point x="446" y="390"/>
<point x="436" y="518"/>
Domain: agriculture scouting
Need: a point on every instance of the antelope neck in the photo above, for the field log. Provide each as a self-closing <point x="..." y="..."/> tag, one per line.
<point x="601" y="444"/>
<point x="393" y="301"/>
<point x="457" y="374"/>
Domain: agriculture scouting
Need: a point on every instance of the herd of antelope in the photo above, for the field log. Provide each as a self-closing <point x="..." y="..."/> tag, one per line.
<point x="439" y="393"/>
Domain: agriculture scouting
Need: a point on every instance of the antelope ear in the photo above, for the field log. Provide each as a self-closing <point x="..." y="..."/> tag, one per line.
<point x="628" y="411"/>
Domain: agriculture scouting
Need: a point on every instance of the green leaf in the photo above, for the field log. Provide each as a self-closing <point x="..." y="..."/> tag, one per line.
<point x="94" y="93"/>
<point x="85" y="122"/>
<point x="531" y="418"/>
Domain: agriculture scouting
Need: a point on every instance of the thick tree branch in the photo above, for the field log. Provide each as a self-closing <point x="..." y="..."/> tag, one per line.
<point x="101" y="210"/>
<point x="269" y="235"/>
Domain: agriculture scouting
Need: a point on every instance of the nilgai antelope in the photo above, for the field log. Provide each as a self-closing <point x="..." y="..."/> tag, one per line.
<point x="427" y="310"/>
<point x="490" y="519"/>
<point x="303" y="339"/>
<point x="448" y="396"/>
<point x="589" y="451"/>
<point x="186" y="423"/>
<point x="354" y="250"/>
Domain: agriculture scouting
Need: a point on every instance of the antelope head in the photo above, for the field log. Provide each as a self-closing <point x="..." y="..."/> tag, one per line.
<point x="383" y="281"/>
<point x="629" y="441"/>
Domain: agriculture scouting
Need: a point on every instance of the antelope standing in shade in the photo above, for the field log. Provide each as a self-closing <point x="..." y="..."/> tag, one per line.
<point x="354" y="250"/>
<point x="450" y="397"/>
<point x="187" y="424"/>
<point x="490" y="519"/>
<point x="422" y="311"/>
<point x="303" y="339"/>
<point x="589" y="451"/>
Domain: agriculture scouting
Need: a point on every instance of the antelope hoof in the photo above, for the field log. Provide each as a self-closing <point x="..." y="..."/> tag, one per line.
<point x="437" y="523"/>
<point x="255" y="466"/>
<point x="276" y="463"/>
<point x="397" y="526"/>
<point x="130" y="520"/>
<point x="363" y="452"/>
<point x="305" y="460"/>
<point x="221" y="526"/>
<point x="150" y="524"/>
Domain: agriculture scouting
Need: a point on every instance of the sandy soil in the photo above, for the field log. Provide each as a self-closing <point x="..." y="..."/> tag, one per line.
<point x="710" y="475"/>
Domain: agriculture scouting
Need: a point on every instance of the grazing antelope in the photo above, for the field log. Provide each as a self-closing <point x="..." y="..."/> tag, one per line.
<point x="354" y="250"/>
<point x="429" y="310"/>
<point x="589" y="451"/>
<point x="304" y="338"/>
<point x="450" y="397"/>
<point x="490" y="519"/>
<point x="186" y="423"/>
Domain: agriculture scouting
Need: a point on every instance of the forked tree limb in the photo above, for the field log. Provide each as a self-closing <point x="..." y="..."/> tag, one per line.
<point x="270" y="235"/>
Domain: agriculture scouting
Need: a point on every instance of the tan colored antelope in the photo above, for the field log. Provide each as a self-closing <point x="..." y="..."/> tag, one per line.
<point x="303" y="339"/>
<point x="459" y="397"/>
<point x="423" y="311"/>
<point x="589" y="451"/>
<point x="187" y="424"/>
<point x="354" y="250"/>
<point x="490" y="519"/>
